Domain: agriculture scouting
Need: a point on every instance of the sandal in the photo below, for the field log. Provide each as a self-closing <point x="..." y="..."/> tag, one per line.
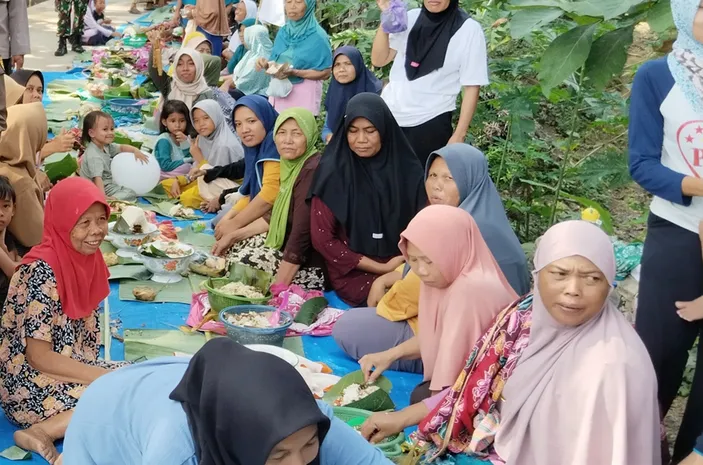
<point x="134" y="10"/>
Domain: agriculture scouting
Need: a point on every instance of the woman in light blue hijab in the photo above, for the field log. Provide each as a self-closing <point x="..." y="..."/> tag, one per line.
<point x="458" y="175"/>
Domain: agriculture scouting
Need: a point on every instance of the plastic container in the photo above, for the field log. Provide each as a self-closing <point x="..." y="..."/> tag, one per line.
<point x="125" y="106"/>
<point x="352" y="416"/>
<point x="245" y="335"/>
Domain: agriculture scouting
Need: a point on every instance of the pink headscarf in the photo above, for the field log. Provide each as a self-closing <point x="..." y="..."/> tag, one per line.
<point x="452" y="319"/>
<point x="584" y="395"/>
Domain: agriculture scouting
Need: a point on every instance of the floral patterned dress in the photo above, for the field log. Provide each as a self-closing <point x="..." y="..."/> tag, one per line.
<point x="33" y="310"/>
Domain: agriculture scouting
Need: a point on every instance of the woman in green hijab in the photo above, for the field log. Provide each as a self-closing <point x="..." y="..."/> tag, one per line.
<point x="286" y="250"/>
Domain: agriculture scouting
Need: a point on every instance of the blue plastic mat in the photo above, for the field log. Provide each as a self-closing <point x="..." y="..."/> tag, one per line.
<point x="146" y="315"/>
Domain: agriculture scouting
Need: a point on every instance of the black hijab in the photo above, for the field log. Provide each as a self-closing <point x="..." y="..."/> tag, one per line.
<point x="429" y="39"/>
<point x="21" y="76"/>
<point x="241" y="403"/>
<point x="371" y="196"/>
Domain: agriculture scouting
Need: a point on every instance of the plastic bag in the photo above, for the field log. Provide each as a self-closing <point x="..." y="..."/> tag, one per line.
<point x="279" y="88"/>
<point x="395" y="18"/>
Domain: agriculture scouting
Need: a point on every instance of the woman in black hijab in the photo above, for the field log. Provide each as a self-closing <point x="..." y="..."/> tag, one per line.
<point x="33" y="83"/>
<point x="367" y="188"/>
<point x="228" y="405"/>
<point x="441" y="53"/>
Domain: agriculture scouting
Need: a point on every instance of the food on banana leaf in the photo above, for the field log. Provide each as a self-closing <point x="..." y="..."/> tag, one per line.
<point x="132" y="220"/>
<point x="144" y="293"/>
<point x="249" y="319"/>
<point x="240" y="289"/>
<point x="180" y="211"/>
<point x="354" y="393"/>
<point x="111" y="258"/>
<point x="206" y="265"/>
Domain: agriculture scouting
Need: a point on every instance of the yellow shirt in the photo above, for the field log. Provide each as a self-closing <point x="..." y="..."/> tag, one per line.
<point x="270" y="185"/>
<point x="401" y="302"/>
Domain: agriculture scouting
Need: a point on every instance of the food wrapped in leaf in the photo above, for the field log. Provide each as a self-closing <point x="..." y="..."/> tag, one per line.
<point x="207" y="265"/>
<point x="360" y="395"/>
<point x="131" y="221"/>
<point x="144" y="293"/>
<point x="111" y="258"/>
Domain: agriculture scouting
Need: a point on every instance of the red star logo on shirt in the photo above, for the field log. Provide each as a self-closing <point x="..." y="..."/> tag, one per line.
<point x="699" y="130"/>
<point x="689" y="139"/>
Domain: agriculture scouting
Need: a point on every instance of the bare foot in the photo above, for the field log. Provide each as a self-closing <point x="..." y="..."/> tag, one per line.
<point x="59" y="461"/>
<point x="36" y="440"/>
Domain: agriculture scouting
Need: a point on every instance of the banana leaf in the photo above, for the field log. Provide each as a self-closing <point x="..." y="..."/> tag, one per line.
<point x="250" y="276"/>
<point x="310" y="310"/>
<point x="61" y="169"/>
<point x="180" y="292"/>
<point x="15" y="453"/>
<point x="164" y="209"/>
<point x="377" y="401"/>
<point x="153" y="343"/>
<point x="158" y="193"/>
<point x="137" y="272"/>
<point x="197" y="240"/>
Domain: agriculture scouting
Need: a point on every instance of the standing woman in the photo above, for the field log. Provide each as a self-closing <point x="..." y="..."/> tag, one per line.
<point x="440" y="53"/>
<point x="366" y="190"/>
<point x="64" y="30"/>
<point x="51" y="332"/>
<point x="211" y="18"/>
<point x="350" y="76"/>
<point x="665" y="114"/>
<point x="244" y="16"/>
<point x="305" y="46"/>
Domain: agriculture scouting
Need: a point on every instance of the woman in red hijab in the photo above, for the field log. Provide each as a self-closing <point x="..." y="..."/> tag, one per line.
<point x="49" y="331"/>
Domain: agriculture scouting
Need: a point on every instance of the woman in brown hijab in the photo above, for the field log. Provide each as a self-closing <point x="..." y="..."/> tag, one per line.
<point x="25" y="135"/>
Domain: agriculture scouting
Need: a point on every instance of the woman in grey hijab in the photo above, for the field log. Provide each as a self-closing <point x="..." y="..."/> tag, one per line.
<point x="459" y="173"/>
<point x="455" y="175"/>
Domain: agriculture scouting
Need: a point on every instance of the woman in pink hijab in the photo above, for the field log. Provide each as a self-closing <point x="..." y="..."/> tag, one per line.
<point x="561" y="377"/>
<point x="462" y="291"/>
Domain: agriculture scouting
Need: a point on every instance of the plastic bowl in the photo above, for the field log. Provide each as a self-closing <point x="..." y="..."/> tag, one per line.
<point x="245" y="335"/>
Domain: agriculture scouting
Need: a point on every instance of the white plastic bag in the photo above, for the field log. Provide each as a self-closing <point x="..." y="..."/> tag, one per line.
<point x="279" y="88"/>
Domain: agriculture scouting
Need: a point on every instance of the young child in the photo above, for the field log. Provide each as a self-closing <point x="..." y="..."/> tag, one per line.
<point x="215" y="145"/>
<point x="97" y="29"/>
<point x="172" y="149"/>
<point x="9" y="258"/>
<point x="692" y="311"/>
<point x="98" y="137"/>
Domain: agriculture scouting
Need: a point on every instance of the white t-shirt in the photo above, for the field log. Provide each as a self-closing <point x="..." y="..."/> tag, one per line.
<point x="680" y="152"/>
<point x="466" y="64"/>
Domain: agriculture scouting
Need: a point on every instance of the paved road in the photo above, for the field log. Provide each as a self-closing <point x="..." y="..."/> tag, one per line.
<point x="42" y="30"/>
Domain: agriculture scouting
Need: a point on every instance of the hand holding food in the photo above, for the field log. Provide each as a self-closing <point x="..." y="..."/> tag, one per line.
<point x="373" y="365"/>
<point x="381" y="425"/>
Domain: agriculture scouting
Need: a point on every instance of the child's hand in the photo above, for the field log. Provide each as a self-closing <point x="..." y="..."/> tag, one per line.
<point x="180" y="137"/>
<point x="197" y="173"/>
<point x="262" y="64"/>
<point x="195" y="150"/>
<point x="210" y="206"/>
<point x="691" y="311"/>
<point x="175" y="189"/>
<point x="107" y="21"/>
<point x="139" y="156"/>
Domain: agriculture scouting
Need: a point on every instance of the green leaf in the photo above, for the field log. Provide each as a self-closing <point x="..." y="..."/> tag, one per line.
<point x="525" y="21"/>
<point x="608" y="9"/>
<point x="15" y="453"/>
<point x="659" y="17"/>
<point x="565" y="55"/>
<point x="608" y="56"/>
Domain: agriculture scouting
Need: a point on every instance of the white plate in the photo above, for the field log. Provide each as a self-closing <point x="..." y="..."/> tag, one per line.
<point x="283" y="354"/>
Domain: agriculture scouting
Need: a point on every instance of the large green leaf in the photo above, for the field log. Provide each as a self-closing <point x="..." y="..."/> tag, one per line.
<point x="607" y="9"/>
<point x="565" y="55"/>
<point x="525" y="21"/>
<point x="659" y="16"/>
<point x="608" y="56"/>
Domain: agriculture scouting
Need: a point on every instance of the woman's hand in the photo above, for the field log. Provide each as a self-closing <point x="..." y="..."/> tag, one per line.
<point x="373" y="365"/>
<point x="210" y="206"/>
<point x="383" y="4"/>
<point x="195" y="174"/>
<point x="376" y="293"/>
<point x="227" y="84"/>
<point x="63" y="142"/>
<point x="381" y="425"/>
<point x="284" y="73"/>
<point x="262" y="64"/>
<point x="43" y="181"/>
<point x="175" y="189"/>
<point x="154" y="36"/>
<point x="227" y="241"/>
<point x="394" y="263"/>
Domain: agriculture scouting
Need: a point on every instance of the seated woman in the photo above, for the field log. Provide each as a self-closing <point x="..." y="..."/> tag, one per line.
<point x="215" y="146"/>
<point x="350" y="76"/>
<point x="245" y="80"/>
<point x="366" y="190"/>
<point x="456" y="175"/>
<point x="33" y="82"/>
<point x="561" y="376"/>
<point x="255" y="119"/>
<point x="25" y="135"/>
<point x="304" y="46"/>
<point x="51" y="333"/>
<point x="237" y="49"/>
<point x="462" y="291"/>
<point x="200" y="411"/>
<point x="285" y="251"/>
<point x="198" y="42"/>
